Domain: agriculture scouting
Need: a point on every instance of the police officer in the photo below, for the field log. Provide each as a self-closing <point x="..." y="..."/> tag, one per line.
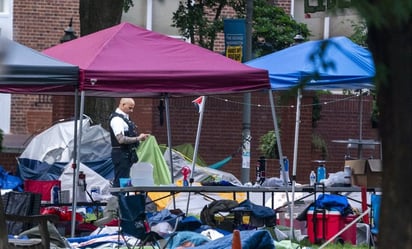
<point x="125" y="140"/>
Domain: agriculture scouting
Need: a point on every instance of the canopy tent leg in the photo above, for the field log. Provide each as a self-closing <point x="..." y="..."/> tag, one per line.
<point x="295" y="158"/>
<point x="169" y="134"/>
<point x="76" y="116"/>
<point x="76" y="161"/>
<point x="360" y="123"/>
<point x="169" y="142"/>
<point x="279" y="144"/>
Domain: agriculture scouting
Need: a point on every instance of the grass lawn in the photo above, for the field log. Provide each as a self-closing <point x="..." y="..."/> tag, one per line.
<point x="306" y="244"/>
<point x="335" y="246"/>
<point x="332" y="245"/>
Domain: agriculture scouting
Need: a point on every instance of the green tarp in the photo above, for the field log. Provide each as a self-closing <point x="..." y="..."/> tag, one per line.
<point x="150" y="152"/>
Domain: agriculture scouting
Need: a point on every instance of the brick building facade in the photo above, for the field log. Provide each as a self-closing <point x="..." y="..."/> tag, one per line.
<point x="41" y="26"/>
<point x="222" y="126"/>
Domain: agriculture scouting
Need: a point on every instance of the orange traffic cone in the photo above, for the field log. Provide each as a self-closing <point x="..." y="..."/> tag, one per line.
<point x="236" y="244"/>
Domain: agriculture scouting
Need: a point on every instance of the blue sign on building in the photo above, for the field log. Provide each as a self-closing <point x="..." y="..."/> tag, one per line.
<point x="235" y="38"/>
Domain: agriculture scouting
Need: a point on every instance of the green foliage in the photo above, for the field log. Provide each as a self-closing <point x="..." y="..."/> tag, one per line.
<point x="127" y="4"/>
<point x="316" y="109"/>
<point x="268" y="145"/>
<point x="193" y="22"/>
<point x="273" y="29"/>
<point x="318" y="143"/>
<point x="375" y="115"/>
<point x="360" y="33"/>
<point x="360" y="37"/>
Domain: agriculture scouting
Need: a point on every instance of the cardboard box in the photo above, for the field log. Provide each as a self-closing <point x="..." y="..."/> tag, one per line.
<point x="366" y="173"/>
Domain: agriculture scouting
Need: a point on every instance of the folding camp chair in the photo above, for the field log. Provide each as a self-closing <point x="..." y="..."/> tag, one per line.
<point x="21" y="204"/>
<point x="133" y="221"/>
<point x="41" y="220"/>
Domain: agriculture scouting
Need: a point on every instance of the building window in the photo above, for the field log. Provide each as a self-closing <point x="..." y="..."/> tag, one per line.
<point x="2" y="6"/>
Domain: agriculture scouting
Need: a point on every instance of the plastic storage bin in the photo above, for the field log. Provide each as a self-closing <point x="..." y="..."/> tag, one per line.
<point x="328" y="224"/>
<point x="141" y="174"/>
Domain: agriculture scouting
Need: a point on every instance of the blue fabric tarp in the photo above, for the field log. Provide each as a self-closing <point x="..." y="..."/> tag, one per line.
<point x="36" y="170"/>
<point x="348" y="65"/>
<point x="250" y="239"/>
<point x="8" y="181"/>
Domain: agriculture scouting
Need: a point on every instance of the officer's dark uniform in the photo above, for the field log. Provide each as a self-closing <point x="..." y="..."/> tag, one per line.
<point x="123" y="155"/>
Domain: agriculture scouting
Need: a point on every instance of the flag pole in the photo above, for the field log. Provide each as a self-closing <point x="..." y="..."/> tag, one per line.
<point x="200" y="102"/>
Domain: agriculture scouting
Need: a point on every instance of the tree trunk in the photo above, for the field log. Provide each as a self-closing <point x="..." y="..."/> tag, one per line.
<point x="96" y="15"/>
<point x="99" y="109"/>
<point x="391" y="46"/>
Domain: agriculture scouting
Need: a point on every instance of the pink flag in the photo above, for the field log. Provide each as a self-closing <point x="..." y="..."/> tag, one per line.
<point x="199" y="103"/>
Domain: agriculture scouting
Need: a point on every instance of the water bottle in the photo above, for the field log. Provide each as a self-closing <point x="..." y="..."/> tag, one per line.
<point x="81" y="187"/>
<point x="95" y="192"/>
<point x="348" y="176"/>
<point x="286" y="172"/>
<point x="312" y="178"/>
<point x="185" y="182"/>
<point x="321" y="174"/>
<point x="55" y="194"/>
<point x="82" y="181"/>
<point x="261" y="170"/>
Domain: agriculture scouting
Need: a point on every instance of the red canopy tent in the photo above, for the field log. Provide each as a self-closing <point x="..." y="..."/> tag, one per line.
<point x="126" y="60"/>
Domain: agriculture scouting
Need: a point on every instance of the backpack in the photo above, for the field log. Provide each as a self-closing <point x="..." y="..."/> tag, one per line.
<point x="259" y="215"/>
<point x="207" y="215"/>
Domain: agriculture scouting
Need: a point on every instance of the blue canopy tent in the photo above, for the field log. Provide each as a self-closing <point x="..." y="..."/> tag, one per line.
<point x="335" y="63"/>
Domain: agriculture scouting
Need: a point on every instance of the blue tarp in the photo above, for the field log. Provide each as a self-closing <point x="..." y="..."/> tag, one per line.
<point x="348" y="65"/>
<point x="8" y="181"/>
<point x="250" y="239"/>
<point x="37" y="170"/>
<point x="334" y="202"/>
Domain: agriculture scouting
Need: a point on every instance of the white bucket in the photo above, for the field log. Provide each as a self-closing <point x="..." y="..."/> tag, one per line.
<point x="141" y="174"/>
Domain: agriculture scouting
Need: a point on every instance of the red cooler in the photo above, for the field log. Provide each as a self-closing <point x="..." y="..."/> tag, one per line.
<point x="326" y="225"/>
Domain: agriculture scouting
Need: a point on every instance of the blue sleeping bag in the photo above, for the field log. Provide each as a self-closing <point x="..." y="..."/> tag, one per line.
<point x="250" y="239"/>
<point x="334" y="202"/>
